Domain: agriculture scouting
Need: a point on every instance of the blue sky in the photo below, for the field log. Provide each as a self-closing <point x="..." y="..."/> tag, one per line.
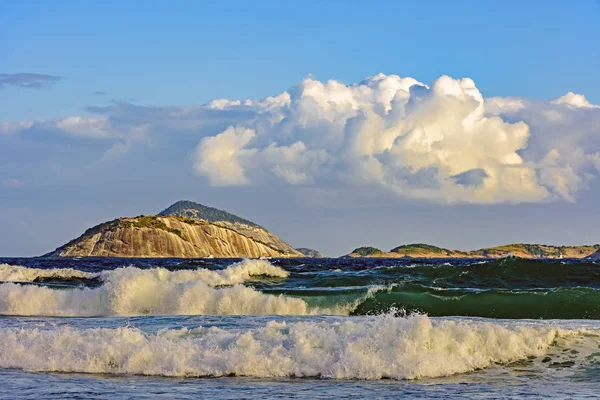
<point x="192" y="52"/>
<point x="123" y="65"/>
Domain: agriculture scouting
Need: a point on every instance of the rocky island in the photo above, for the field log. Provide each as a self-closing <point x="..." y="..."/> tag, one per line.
<point x="185" y="229"/>
<point x="310" y="253"/>
<point x="421" y="250"/>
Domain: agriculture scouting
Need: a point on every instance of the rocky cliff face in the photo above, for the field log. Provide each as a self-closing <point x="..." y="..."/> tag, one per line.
<point x="260" y="235"/>
<point x="195" y="211"/>
<point x="172" y="236"/>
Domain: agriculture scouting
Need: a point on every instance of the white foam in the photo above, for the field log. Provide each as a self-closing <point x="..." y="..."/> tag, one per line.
<point x="364" y="348"/>
<point x="239" y="272"/>
<point x="17" y="273"/>
<point x="134" y="291"/>
<point x="144" y="295"/>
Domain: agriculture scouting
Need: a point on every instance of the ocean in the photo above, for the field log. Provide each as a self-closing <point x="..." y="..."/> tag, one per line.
<point x="299" y="328"/>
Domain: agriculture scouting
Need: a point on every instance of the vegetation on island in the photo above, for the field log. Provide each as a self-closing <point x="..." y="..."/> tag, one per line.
<point x="421" y="248"/>
<point x="190" y="209"/>
<point x="367" y="251"/>
<point x="145" y="221"/>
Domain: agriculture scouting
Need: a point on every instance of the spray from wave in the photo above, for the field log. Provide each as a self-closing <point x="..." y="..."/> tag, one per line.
<point x="368" y="348"/>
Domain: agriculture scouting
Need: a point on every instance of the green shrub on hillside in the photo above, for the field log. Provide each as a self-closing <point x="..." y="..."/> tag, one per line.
<point x="145" y="221"/>
<point x="366" y="251"/>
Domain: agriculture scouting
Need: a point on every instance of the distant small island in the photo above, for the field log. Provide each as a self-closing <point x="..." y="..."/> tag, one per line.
<point x="311" y="253"/>
<point x="421" y="250"/>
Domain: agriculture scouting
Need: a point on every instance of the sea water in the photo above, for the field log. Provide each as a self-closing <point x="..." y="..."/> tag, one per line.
<point x="299" y="328"/>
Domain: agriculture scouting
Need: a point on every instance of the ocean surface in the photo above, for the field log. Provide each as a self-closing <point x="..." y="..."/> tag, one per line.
<point x="299" y="328"/>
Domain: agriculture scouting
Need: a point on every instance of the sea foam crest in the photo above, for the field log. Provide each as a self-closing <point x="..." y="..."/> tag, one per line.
<point x="239" y="272"/>
<point x="236" y="273"/>
<point x="367" y="348"/>
<point x="133" y="291"/>
<point x="17" y="273"/>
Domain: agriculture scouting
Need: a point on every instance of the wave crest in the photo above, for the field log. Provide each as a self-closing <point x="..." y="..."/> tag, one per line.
<point x="239" y="272"/>
<point x="17" y="273"/>
<point x="369" y="348"/>
<point x="134" y="291"/>
<point x="147" y="297"/>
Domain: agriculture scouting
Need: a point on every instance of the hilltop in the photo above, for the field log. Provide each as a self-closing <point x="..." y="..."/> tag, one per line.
<point x="190" y="209"/>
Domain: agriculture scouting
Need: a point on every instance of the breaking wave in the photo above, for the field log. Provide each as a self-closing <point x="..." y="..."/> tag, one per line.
<point x="366" y="348"/>
<point x="17" y="273"/>
<point x="134" y="291"/>
<point x="236" y="273"/>
<point x="508" y="288"/>
<point x="144" y="295"/>
<point x="555" y="303"/>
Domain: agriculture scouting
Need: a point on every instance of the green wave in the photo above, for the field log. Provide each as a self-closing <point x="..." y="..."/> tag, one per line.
<point x="559" y="303"/>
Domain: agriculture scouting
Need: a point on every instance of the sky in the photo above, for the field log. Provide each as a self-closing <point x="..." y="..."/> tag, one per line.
<point x="335" y="124"/>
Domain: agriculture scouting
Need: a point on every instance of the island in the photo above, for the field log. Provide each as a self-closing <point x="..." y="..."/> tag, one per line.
<point x="522" y="250"/>
<point x="184" y="230"/>
<point x="310" y="253"/>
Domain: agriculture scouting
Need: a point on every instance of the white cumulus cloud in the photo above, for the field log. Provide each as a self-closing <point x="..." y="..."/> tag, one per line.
<point x="574" y="100"/>
<point x="441" y="141"/>
<point x="218" y="157"/>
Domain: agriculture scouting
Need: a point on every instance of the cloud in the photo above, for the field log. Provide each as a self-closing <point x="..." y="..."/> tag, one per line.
<point x="564" y="143"/>
<point x="473" y="177"/>
<point x="99" y="93"/>
<point x="441" y="142"/>
<point x="98" y="127"/>
<point x="27" y="80"/>
<point x="218" y="157"/>
<point x="574" y="100"/>
<point x="8" y="128"/>
<point x="396" y="133"/>
<point x="496" y="105"/>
